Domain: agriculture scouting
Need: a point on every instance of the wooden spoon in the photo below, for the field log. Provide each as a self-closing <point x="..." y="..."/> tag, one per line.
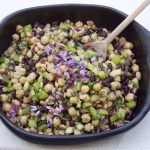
<point x="101" y="46"/>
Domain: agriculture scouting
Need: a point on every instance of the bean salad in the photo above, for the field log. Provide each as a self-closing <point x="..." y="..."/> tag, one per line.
<point x="50" y="84"/>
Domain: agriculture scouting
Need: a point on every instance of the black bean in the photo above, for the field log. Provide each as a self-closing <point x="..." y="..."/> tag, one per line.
<point x="126" y="89"/>
<point x="65" y="110"/>
<point x="92" y="78"/>
<point x="123" y="78"/>
<point x="36" y="25"/>
<point x="41" y="33"/>
<point x="87" y="32"/>
<point x="45" y="81"/>
<point x="33" y="52"/>
<point x="43" y="55"/>
<point x="128" y="115"/>
<point x="102" y="33"/>
<point x="44" y="110"/>
<point x="96" y="30"/>
<point x="3" y="83"/>
<point x="25" y="59"/>
<point x="129" y="63"/>
<point x="63" y="121"/>
<point x="110" y="66"/>
<point x="14" y="94"/>
<point x="12" y="64"/>
<point x="28" y="67"/>
<point x="72" y="122"/>
<point x="26" y="93"/>
<point x="83" y="111"/>
<point x="55" y="23"/>
<point x="130" y="69"/>
<point x="132" y="77"/>
<point x="77" y="42"/>
<point x="33" y="33"/>
<point x="123" y="67"/>
<point x="126" y="69"/>
<point x="37" y="75"/>
<point x="107" y="81"/>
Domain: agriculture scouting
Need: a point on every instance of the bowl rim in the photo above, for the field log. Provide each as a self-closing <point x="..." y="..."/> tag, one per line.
<point x="123" y="128"/>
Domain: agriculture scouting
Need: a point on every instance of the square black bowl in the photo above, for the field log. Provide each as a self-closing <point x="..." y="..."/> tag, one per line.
<point x="104" y="17"/>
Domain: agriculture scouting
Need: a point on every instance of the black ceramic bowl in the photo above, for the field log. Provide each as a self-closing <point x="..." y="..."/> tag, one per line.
<point x="104" y="17"/>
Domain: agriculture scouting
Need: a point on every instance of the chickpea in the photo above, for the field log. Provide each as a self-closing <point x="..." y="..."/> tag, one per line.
<point x="88" y="127"/>
<point x="4" y="98"/>
<point x="128" y="45"/>
<point x="79" y="24"/>
<point x="128" y="51"/>
<point x="69" y="92"/>
<point x="29" y="54"/>
<point x="111" y="96"/>
<point x="22" y="71"/>
<point x="33" y="130"/>
<point x="15" y="37"/>
<point x="72" y="111"/>
<point x="85" y="97"/>
<point x="61" y="82"/>
<point x="63" y="68"/>
<point x="129" y="97"/>
<point x="118" y="84"/>
<point x="50" y="76"/>
<point x="109" y="104"/>
<point x="111" y="56"/>
<point x="97" y="87"/>
<point x="23" y="120"/>
<point x="85" y="118"/>
<point x="20" y="112"/>
<point x="85" y="89"/>
<point x="14" y="80"/>
<point x="17" y="86"/>
<point x="27" y="129"/>
<point x="95" y="123"/>
<point x="22" y="80"/>
<point x="50" y="58"/>
<point x="56" y="122"/>
<point x="26" y="100"/>
<point x="77" y="132"/>
<point x="85" y="81"/>
<point x="44" y="40"/>
<point x="86" y="39"/>
<point x="48" y="87"/>
<point x="138" y="75"/>
<point x="16" y="102"/>
<point x="6" y="107"/>
<point x="74" y="100"/>
<point x="135" y="68"/>
<point x="31" y="77"/>
<point x="19" y="93"/>
<point x="90" y="23"/>
<point x="113" y="86"/>
<point x="117" y="78"/>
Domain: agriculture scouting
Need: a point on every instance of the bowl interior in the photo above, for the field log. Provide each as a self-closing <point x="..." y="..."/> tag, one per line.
<point x="103" y="17"/>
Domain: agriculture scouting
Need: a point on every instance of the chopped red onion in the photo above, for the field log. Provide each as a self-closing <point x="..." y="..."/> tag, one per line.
<point x="93" y="59"/>
<point x="49" y="121"/>
<point x="50" y="108"/>
<point x="37" y="113"/>
<point x="58" y="72"/>
<point x="33" y="108"/>
<point x="48" y="49"/>
<point x="101" y="121"/>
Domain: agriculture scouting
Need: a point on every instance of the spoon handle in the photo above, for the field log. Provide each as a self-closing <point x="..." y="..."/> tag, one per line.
<point x="127" y="21"/>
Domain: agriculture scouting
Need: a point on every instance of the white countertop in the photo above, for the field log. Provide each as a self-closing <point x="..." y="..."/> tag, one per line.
<point x="138" y="138"/>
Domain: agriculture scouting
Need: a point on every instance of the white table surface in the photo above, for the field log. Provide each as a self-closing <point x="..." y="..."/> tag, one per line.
<point x="136" y="139"/>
